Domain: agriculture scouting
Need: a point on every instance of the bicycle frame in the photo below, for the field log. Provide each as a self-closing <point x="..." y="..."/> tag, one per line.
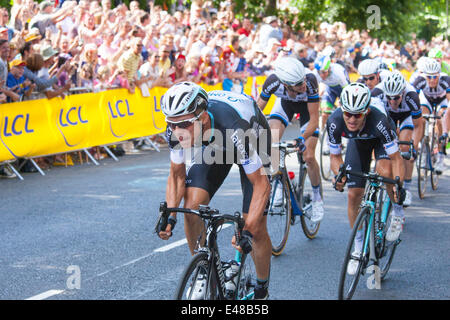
<point x="430" y="121"/>
<point x="296" y="210"/>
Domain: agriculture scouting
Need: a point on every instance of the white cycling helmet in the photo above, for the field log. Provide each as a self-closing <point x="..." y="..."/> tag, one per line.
<point x="431" y="66"/>
<point x="290" y="71"/>
<point x="421" y="62"/>
<point x="355" y="98"/>
<point x="183" y="98"/>
<point x="368" y="66"/>
<point x="329" y="51"/>
<point x="394" y="84"/>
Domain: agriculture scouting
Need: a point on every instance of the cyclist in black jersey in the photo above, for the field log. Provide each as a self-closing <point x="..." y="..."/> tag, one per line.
<point x="434" y="93"/>
<point x="221" y="129"/>
<point x="402" y="104"/>
<point x="297" y="91"/>
<point x="367" y="129"/>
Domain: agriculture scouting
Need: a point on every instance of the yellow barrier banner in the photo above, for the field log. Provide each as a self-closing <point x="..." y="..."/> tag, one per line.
<point x="44" y="127"/>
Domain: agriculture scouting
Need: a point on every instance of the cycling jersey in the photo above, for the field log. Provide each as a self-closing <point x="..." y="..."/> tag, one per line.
<point x="273" y="85"/>
<point x="337" y="76"/>
<point x="377" y="135"/>
<point x="434" y="96"/>
<point x="408" y="109"/>
<point x="239" y="135"/>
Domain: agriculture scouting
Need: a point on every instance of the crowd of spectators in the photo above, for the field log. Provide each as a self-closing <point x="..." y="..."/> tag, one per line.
<point x="49" y="49"/>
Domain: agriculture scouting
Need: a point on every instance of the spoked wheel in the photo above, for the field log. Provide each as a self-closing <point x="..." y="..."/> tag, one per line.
<point x="423" y="167"/>
<point x="197" y="281"/>
<point x="279" y="214"/>
<point x="349" y="281"/>
<point x="434" y="177"/>
<point x="247" y="279"/>
<point x="310" y="229"/>
<point x="324" y="156"/>
<point x="384" y="249"/>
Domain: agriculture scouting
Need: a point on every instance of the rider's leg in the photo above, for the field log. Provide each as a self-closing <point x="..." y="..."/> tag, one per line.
<point x="406" y="134"/>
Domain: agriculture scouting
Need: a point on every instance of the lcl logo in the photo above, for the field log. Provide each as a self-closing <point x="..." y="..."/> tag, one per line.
<point x="118" y="110"/>
<point x="19" y="124"/>
<point x="68" y="119"/>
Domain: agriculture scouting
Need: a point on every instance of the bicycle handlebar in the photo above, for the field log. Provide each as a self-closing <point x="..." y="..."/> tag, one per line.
<point x="372" y="176"/>
<point x="408" y="154"/>
<point x="203" y="212"/>
<point x="431" y="116"/>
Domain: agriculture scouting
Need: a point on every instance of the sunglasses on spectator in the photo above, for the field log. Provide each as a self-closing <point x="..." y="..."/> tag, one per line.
<point x="395" y="98"/>
<point x="355" y="115"/>
<point x="432" y="77"/>
<point x="184" y="124"/>
<point x="368" y="78"/>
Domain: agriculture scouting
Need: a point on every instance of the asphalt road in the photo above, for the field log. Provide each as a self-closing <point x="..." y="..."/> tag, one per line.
<point x="86" y="232"/>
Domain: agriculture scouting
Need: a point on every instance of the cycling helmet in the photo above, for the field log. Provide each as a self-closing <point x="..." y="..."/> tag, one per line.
<point x="431" y="66"/>
<point x="322" y="63"/>
<point x="368" y="66"/>
<point x="290" y="71"/>
<point x="355" y="98"/>
<point x="383" y="66"/>
<point x="394" y="84"/>
<point x="183" y="98"/>
<point x="435" y="53"/>
<point x="421" y="63"/>
<point x="329" y="51"/>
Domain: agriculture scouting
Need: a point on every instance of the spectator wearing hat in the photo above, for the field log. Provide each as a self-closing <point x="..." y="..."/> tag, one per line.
<point x="246" y="28"/>
<point x="16" y="81"/>
<point x="33" y="36"/>
<point x="301" y="53"/>
<point x="179" y="73"/>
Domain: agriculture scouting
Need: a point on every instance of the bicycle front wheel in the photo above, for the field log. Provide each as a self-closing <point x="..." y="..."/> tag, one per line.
<point x="247" y="279"/>
<point x="310" y="229"/>
<point x="279" y="214"/>
<point x="324" y="156"/>
<point x="349" y="280"/>
<point x="422" y="167"/>
<point x="434" y="153"/>
<point x="198" y="281"/>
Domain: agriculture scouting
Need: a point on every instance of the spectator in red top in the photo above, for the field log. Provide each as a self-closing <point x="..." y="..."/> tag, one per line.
<point x="246" y="27"/>
<point x="179" y="74"/>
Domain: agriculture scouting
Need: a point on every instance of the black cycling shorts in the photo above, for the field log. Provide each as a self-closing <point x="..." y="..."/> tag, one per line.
<point x="358" y="157"/>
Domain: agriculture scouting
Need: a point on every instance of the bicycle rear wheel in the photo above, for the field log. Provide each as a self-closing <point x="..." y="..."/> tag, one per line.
<point x="198" y="281"/>
<point x="324" y="156"/>
<point x="422" y="167"/>
<point x="434" y="177"/>
<point x="279" y="214"/>
<point x="349" y="282"/>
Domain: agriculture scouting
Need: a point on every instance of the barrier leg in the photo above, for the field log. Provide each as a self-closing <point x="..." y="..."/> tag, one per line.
<point x="37" y="167"/>
<point x="91" y="157"/>
<point x="149" y="141"/>
<point x="112" y="155"/>
<point x="16" y="172"/>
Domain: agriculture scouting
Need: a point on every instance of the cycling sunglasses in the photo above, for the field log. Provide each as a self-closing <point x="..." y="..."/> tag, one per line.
<point x="356" y="115"/>
<point x="183" y="124"/>
<point x="432" y="77"/>
<point x="369" y="78"/>
<point x="395" y="98"/>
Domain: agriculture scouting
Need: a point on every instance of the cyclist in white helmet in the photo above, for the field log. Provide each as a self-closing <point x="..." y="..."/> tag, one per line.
<point x="370" y="72"/>
<point x="402" y="104"/>
<point x="296" y="90"/>
<point x="221" y="125"/>
<point x="368" y="130"/>
<point x="434" y="93"/>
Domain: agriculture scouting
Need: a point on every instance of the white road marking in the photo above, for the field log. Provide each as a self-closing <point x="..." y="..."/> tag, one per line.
<point x="45" y="295"/>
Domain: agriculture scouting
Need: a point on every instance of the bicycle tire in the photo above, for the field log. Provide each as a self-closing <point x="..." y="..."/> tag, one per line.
<point x="246" y="279"/>
<point x="325" y="165"/>
<point x="198" y="263"/>
<point x="434" y="153"/>
<point x="363" y="218"/>
<point x="310" y="229"/>
<point x="385" y="250"/>
<point x="279" y="217"/>
<point x="422" y="167"/>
